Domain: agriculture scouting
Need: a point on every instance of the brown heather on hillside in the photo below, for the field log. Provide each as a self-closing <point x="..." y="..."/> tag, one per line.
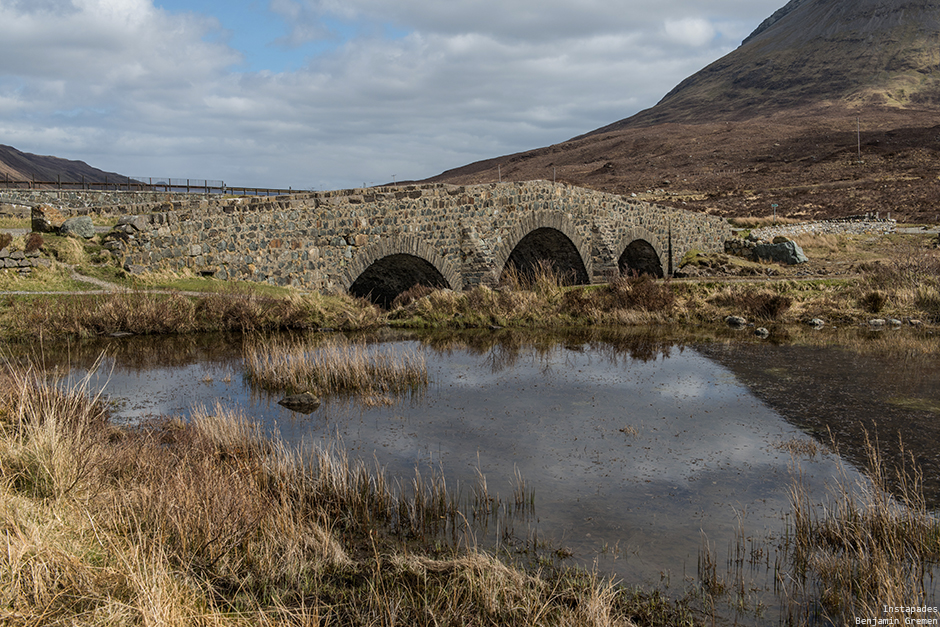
<point x="16" y="165"/>
<point x="829" y="108"/>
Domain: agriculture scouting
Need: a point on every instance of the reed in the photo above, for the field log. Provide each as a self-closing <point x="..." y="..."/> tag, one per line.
<point x="52" y="432"/>
<point x="336" y="367"/>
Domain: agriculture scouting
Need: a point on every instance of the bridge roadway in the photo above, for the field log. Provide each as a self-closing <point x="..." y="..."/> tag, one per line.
<point x="378" y="242"/>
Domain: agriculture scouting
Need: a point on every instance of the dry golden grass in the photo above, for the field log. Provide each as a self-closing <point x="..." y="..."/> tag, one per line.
<point x="336" y="366"/>
<point x="172" y="312"/>
<point x="826" y="245"/>
<point x="754" y="222"/>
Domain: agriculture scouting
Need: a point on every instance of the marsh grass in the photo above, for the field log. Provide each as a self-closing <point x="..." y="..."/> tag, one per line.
<point x="337" y="366"/>
<point x="541" y="299"/>
<point x="763" y="304"/>
<point x="144" y="313"/>
<point x="213" y="522"/>
<point x="51" y="434"/>
<point x="871" y="545"/>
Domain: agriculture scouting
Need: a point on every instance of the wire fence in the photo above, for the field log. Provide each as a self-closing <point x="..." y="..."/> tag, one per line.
<point x="144" y="184"/>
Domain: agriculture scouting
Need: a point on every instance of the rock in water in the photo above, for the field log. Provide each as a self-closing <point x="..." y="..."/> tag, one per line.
<point x="305" y="403"/>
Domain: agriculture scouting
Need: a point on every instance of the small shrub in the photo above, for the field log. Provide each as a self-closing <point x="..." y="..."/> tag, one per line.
<point x="927" y="300"/>
<point x="415" y="292"/>
<point x="873" y="301"/>
<point x="34" y="242"/>
<point x="639" y="292"/>
<point x="766" y="305"/>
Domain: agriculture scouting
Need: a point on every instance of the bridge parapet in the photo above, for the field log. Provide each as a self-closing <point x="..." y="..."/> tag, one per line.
<point x="465" y="235"/>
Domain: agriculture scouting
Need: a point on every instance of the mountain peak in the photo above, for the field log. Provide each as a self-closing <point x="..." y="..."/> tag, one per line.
<point x="773" y="19"/>
<point x="816" y="52"/>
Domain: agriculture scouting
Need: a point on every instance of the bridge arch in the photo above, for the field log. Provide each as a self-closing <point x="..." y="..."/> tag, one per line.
<point x="384" y="269"/>
<point x="642" y="252"/>
<point x="541" y="235"/>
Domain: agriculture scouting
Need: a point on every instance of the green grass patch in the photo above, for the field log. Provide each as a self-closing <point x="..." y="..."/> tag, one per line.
<point x="15" y="223"/>
<point x="916" y="404"/>
<point x="214" y="286"/>
<point x="41" y="279"/>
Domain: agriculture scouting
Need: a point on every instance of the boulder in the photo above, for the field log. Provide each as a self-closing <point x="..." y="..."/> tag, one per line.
<point x="736" y="322"/>
<point x="788" y="252"/>
<point x="46" y="219"/>
<point x="80" y="226"/>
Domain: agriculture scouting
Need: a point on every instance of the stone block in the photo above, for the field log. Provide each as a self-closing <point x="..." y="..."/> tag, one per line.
<point x="138" y="223"/>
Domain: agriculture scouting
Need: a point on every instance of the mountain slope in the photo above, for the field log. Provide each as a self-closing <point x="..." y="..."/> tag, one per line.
<point x="853" y="52"/>
<point x="16" y="165"/>
<point x="829" y="108"/>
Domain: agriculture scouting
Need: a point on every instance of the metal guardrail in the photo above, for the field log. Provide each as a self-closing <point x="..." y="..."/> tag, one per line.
<point x="146" y="184"/>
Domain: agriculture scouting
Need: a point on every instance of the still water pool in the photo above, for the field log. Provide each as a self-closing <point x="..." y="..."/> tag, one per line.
<point x="639" y="451"/>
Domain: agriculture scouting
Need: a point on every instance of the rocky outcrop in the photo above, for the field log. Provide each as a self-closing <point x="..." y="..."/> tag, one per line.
<point x="781" y="250"/>
<point x="788" y="252"/>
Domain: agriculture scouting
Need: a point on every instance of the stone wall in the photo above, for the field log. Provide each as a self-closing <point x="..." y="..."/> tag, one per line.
<point x="325" y="240"/>
<point x="79" y="202"/>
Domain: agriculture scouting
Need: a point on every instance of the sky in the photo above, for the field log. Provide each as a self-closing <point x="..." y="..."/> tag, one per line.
<point x="335" y="94"/>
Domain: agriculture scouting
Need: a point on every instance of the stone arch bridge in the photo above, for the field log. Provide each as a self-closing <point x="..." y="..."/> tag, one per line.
<point x="378" y="242"/>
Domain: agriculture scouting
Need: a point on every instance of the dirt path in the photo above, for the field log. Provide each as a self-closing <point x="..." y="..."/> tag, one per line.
<point x="104" y="285"/>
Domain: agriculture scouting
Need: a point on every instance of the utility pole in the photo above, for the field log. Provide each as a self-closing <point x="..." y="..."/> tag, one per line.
<point x="858" y="130"/>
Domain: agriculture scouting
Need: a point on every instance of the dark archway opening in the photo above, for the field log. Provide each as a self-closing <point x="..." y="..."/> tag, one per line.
<point x="543" y="249"/>
<point x="389" y="276"/>
<point x="640" y="258"/>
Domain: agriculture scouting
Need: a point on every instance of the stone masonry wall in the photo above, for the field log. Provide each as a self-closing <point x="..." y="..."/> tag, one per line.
<point x="78" y="202"/>
<point x="324" y="240"/>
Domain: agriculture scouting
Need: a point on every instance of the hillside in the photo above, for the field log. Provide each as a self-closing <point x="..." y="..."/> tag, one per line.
<point x="16" y="165"/>
<point x="777" y="121"/>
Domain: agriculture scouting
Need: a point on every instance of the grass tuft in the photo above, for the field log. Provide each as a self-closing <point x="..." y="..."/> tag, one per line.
<point x="335" y="367"/>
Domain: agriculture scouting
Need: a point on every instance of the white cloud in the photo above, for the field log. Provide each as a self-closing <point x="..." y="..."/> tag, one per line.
<point x="137" y="89"/>
<point x="690" y="31"/>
